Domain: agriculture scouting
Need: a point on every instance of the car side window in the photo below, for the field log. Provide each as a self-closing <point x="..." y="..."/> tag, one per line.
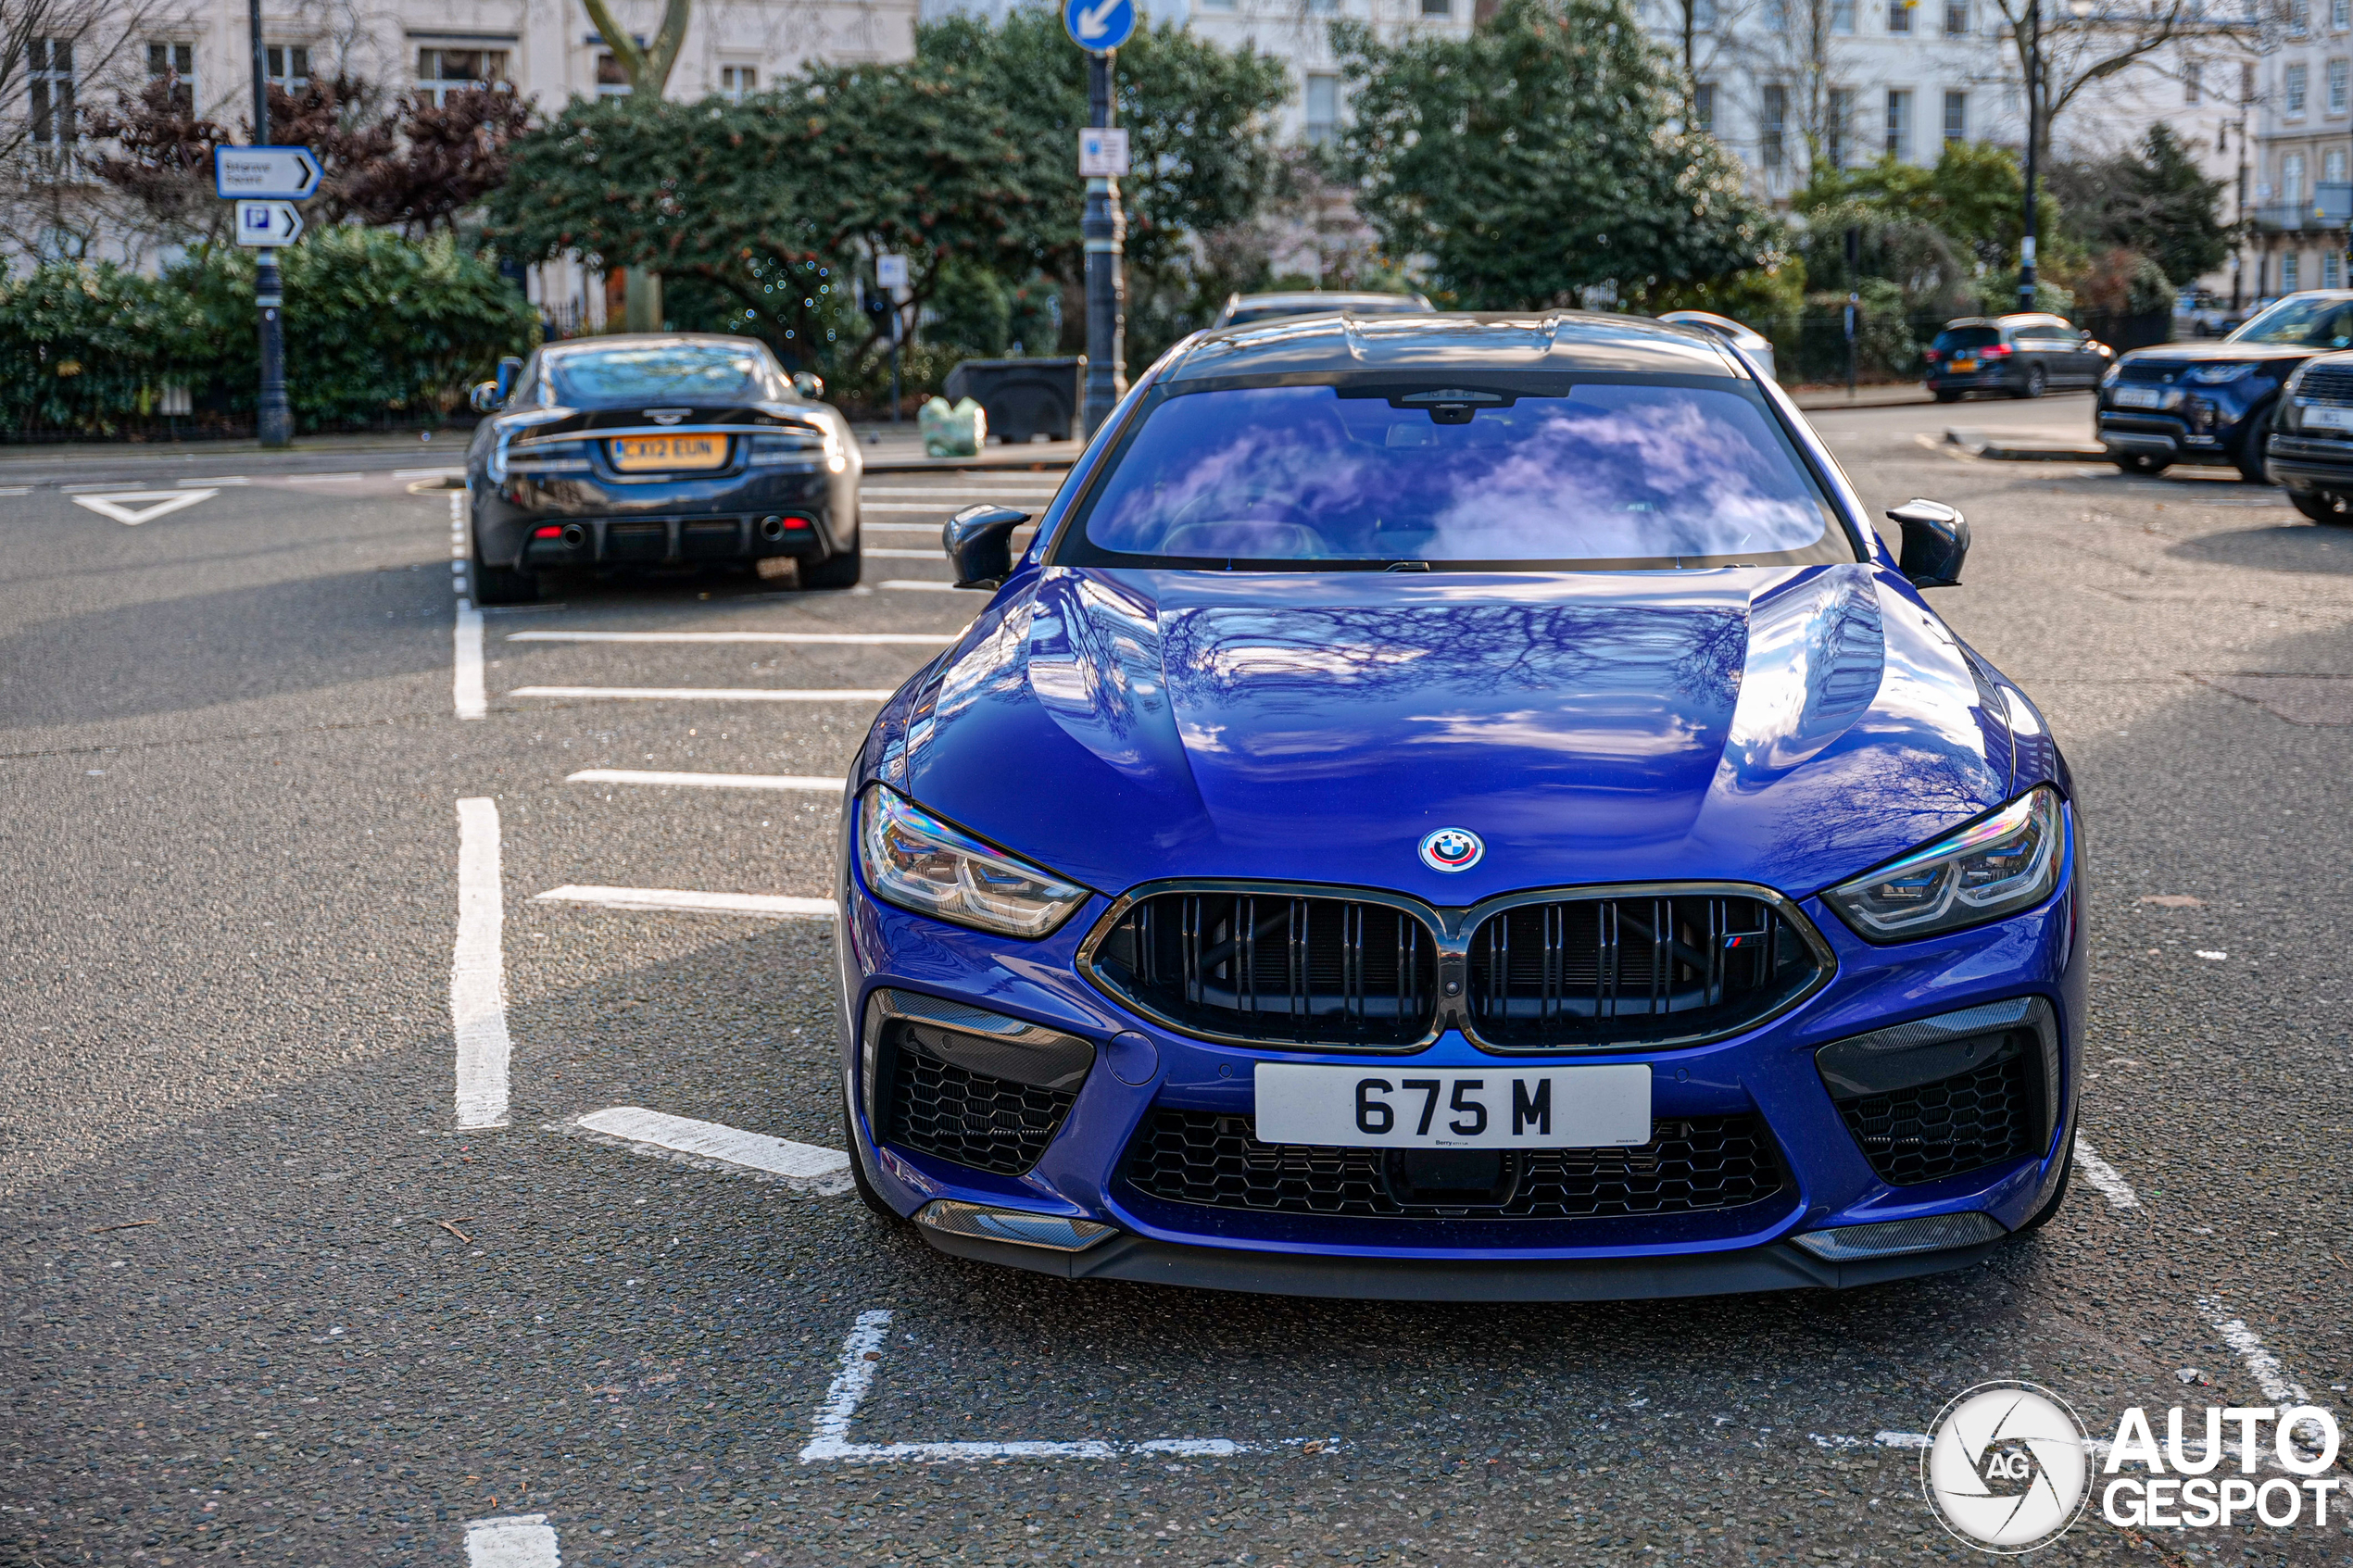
<point x="525" y="393"/>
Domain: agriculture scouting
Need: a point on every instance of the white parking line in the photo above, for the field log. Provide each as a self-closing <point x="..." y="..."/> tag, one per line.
<point x="958" y="504"/>
<point x="426" y="473"/>
<point x="763" y="906"/>
<point x="517" y="1540"/>
<point x="218" y="479"/>
<point x="705" y="781"/>
<point x="2102" y="1175"/>
<point x="922" y="639"/>
<point x="986" y="489"/>
<point x="465" y="683"/>
<point x="477" y="973"/>
<point x="862" y="1358"/>
<point x="803" y="1165"/>
<point x="910" y="582"/>
<point x="2282" y="1391"/>
<point x="702" y="694"/>
<point x="904" y="555"/>
<point x="16" y="489"/>
<point x="900" y="527"/>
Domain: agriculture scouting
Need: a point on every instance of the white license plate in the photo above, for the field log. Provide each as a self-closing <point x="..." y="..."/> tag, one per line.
<point x="1498" y="1107"/>
<point x="2328" y="418"/>
<point x="2139" y="397"/>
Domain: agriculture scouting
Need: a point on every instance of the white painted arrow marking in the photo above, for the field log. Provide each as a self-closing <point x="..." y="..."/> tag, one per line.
<point x="116" y="505"/>
<point x="1095" y="20"/>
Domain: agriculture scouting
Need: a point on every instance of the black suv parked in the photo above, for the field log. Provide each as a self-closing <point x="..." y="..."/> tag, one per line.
<point x="2024" y="356"/>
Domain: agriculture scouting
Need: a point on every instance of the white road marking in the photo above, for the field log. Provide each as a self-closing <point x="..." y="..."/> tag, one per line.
<point x="338" y="478"/>
<point x="925" y="639"/>
<point x="763" y="906"/>
<point x="910" y="582"/>
<point x="705" y="781"/>
<point x="16" y="489"/>
<point x="862" y="1358"/>
<point x="2282" y="1390"/>
<point x="654" y="1132"/>
<point x="426" y="473"/>
<point x="218" y="479"/>
<point x="899" y="528"/>
<point x="2102" y="1175"/>
<point x="905" y="555"/>
<point x="119" y="506"/>
<point x="703" y="693"/>
<point x="477" y="974"/>
<point x="516" y="1540"/>
<point x="473" y="702"/>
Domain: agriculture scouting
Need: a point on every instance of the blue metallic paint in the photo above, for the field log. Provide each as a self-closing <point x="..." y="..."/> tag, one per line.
<point x="1791" y="727"/>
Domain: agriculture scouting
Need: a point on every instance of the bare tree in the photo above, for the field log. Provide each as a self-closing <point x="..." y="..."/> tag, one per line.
<point x="2073" y="45"/>
<point x="647" y="68"/>
<point x="1797" y="43"/>
<point x="57" y="56"/>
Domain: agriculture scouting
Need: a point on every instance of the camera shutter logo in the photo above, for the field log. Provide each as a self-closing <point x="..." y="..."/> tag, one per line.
<point x="2008" y="1467"/>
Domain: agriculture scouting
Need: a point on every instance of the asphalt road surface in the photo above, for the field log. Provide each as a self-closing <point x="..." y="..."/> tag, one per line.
<point x="267" y="1300"/>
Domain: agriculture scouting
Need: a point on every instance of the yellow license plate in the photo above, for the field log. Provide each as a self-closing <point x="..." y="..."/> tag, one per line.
<point x="1964" y="366"/>
<point x="635" y="454"/>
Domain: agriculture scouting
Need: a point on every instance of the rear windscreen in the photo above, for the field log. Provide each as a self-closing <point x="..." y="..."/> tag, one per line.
<point x="1618" y="473"/>
<point x="702" y="373"/>
<point x="1967" y="337"/>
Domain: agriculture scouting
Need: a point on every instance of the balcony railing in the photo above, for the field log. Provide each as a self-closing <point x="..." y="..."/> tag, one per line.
<point x="2328" y="208"/>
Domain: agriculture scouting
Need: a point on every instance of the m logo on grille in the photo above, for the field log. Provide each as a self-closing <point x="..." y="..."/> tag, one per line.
<point x="1452" y="850"/>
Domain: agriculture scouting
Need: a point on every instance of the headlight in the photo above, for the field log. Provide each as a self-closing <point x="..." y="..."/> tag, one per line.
<point x="2218" y="375"/>
<point x="2113" y="372"/>
<point x="2007" y="862"/>
<point x="918" y="862"/>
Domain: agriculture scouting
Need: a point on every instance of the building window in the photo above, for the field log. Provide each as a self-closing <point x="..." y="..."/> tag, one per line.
<point x="2341" y="14"/>
<point x="2289" y="271"/>
<point x="2193" y="74"/>
<point x="2332" y="269"/>
<point x="612" y="80"/>
<point x="49" y="84"/>
<point x="2333" y="167"/>
<point x="1956" y="18"/>
<point x="1842" y="16"/>
<point x="443" y="72"/>
<point x="1704" y="106"/>
<point x="177" y="61"/>
<point x="1438" y="7"/>
<point x="2247" y="82"/>
<point x="1899" y="16"/>
<point x="1323" y="108"/>
<point x="1772" y="125"/>
<point x="1840" y="121"/>
<point x="738" y="82"/>
<point x="1323" y="8"/>
<point x="287" y="65"/>
<point x="2299" y="16"/>
<point x="1899" y="124"/>
<point x="1956" y="115"/>
<point x="2292" y="178"/>
<point x="2336" y="87"/>
<point x="2298" y="79"/>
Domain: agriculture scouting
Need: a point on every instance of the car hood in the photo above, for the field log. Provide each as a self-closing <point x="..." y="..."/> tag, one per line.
<point x="2228" y="353"/>
<point x="1787" y="726"/>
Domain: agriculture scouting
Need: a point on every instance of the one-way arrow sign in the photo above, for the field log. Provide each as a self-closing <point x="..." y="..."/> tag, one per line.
<point x="267" y="223"/>
<point x="264" y="173"/>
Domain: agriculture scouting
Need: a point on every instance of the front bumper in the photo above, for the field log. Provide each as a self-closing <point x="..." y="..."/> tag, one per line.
<point x="2307" y="463"/>
<point x="2191" y="427"/>
<point x="1769" y="1074"/>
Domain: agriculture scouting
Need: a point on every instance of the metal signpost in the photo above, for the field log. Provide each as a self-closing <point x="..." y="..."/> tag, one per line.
<point x="262" y="180"/>
<point x="1099" y="27"/>
<point x="890" y="281"/>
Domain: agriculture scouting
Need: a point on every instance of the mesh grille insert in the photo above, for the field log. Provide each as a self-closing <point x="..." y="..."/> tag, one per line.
<point x="2328" y="384"/>
<point x="1269" y="966"/>
<point x="1964" y="1123"/>
<point x="967" y="1118"/>
<point x="1632" y="970"/>
<point x="1211" y="1160"/>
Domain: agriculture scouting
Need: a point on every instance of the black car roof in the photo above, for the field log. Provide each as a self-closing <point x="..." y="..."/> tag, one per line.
<point x="1440" y="345"/>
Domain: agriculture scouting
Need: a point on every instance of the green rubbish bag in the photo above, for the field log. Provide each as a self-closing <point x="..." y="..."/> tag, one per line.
<point x="960" y="432"/>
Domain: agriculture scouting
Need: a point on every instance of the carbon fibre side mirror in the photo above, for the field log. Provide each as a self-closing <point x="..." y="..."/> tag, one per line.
<point x="1935" y="542"/>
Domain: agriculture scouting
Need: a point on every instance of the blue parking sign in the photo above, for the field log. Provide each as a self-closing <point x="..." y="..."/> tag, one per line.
<point x="1098" y="25"/>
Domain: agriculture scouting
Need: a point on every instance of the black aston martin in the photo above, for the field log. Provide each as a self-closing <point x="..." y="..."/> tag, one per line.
<point x="652" y="450"/>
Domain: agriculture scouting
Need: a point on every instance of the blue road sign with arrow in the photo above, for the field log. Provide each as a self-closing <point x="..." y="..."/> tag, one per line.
<point x="1099" y="25"/>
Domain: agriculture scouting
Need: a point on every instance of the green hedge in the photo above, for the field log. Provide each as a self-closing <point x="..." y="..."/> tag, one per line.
<point x="376" y="327"/>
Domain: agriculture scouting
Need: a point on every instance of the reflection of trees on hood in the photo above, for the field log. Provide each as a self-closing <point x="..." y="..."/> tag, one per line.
<point x="1692" y="652"/>
<point x="1879" y="780"/>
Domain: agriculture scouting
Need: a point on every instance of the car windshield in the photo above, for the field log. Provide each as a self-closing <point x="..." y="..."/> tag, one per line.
<point x="2306" y="323"/>
<point x="1967" y="338"/>
<point x="1623" y="473"/>
<point x="695" y="373"/>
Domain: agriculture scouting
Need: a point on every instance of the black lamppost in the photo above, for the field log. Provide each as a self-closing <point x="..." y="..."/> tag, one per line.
<point x="1104" y="230"/>
<point x="2079" y="10"/>
<point x="273" y="421"/>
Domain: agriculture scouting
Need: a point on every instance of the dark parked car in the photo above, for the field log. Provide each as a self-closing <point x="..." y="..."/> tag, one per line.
<point x="1242" y="308"/>
<point x="2023" y="356"/>
<point x="2311" y="446"/>
<point x="2211" y="403"/>
<point x="654" y="450"/>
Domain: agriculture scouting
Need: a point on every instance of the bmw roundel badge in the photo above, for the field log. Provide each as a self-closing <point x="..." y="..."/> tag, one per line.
<point x="1453" y="849"/>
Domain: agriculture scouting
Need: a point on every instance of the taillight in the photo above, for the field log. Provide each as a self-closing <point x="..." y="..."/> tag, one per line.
<point x="1929" y="354"/>
<point x="552" y="531"/>
<point x="1996" y="352"/>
